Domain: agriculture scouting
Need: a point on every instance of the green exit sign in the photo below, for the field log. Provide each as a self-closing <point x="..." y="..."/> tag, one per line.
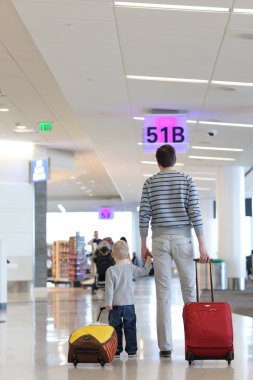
<point x="46" y="126"/>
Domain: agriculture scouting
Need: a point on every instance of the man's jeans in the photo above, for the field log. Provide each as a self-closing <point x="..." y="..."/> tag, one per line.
<point x="123" y="317"/>
<point x="165" y="249"/>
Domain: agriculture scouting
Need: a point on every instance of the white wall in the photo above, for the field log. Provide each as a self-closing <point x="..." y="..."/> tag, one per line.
<point x="16" y="228"/>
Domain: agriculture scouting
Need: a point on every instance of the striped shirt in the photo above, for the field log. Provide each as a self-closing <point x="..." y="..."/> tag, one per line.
<point x="171" y="203"/>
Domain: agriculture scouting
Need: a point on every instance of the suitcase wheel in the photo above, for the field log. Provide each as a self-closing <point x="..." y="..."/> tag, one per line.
<point x="74" y="360"/>
<point x="190" y="357"/>
<point x="101" y="361"/>
<point x="230" y="356"/>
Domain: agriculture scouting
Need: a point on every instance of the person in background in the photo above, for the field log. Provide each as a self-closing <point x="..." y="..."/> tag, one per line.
<point x="94" y="241"/>
<point x="170" y="202"/>
<point x="123" y="238"/>
<point x="119" y="296"/>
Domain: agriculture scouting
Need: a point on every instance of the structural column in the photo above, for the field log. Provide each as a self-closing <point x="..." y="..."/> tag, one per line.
<point x="231" y="218"/>
<point x="210" y="226"/>
<point x="40" y="238"/>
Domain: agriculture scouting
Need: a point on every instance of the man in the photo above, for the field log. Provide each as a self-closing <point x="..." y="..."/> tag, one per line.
<point x="170" y="202"/>
<point x="94" y="241"/>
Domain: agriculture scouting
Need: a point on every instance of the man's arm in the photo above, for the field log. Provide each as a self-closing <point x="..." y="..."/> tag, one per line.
<point x="144" y="219"/>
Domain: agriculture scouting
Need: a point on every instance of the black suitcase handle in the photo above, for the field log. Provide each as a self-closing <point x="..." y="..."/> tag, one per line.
<point x="100" y="311"/>
<point x="211" y="278"/>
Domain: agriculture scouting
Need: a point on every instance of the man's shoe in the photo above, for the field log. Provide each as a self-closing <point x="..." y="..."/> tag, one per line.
<point x="117" y="355"/>
<point x="132" y="355"/>
<point x="165" y="354"/>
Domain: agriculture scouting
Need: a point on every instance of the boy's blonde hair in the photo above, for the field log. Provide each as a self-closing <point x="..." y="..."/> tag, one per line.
<point x="120" y="250"/>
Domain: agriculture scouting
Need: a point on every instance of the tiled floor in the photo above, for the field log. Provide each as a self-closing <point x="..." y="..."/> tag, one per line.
<point x="34" y="340"/>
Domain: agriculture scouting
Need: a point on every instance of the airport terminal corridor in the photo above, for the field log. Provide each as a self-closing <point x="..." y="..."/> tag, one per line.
<point x="34" y="339"/>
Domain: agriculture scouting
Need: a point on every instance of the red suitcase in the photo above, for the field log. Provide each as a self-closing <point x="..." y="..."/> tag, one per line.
<point x="208" y="328"/>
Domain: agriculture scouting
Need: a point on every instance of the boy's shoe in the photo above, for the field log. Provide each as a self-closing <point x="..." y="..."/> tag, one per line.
<point x="132" y="355"/>
<point x="117" y="355"/>
<point x="165" y="354"/>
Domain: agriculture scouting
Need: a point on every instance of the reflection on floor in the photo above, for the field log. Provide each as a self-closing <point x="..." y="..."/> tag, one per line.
<point x="34" y="340"/>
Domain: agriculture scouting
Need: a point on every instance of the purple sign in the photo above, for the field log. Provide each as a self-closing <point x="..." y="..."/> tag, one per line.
<point x="165" y="129"/>
<point x="106" y="213"/>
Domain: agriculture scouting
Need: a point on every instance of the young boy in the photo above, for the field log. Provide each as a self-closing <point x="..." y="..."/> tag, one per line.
<point x="119" y="296"/>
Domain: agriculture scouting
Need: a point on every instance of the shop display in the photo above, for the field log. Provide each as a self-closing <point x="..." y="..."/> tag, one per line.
<point x="77" y="258"/>
<point x="60" y="261"/>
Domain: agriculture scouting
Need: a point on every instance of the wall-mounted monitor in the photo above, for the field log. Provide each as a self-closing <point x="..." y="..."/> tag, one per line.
<point x="39" y="170"/>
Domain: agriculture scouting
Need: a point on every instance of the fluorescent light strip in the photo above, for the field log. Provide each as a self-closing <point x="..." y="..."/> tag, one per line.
<point x="194" y="81"/>
<point x="4" y="109"/>
<point x="212" y="158"/>
<point x="214" y="148"/>
<point x="203" y="189"/>
<point x="142" y="118"/>
<point x="204" y="179"/>
<point x="61" y="208"/>
<point x="226" y="83"/>
<point x="192" y="8"/>
<point x="243" y="11"/>
<point x="209" y="123"/>
<point x="155" y="163"/>
<point x="226" y="124"/>
<point x="191" y="121"/>
<point x="165" y="79"/>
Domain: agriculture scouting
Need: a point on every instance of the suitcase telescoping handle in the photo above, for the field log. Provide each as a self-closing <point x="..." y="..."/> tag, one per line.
<point x="100" y="311"/>
<point x="211" y="278"/>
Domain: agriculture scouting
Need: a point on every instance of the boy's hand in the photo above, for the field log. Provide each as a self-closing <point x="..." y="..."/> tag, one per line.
<point x="148" y="255"/>
<point x="108" y="308"/>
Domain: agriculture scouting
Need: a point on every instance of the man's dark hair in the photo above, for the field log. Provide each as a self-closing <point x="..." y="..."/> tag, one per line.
<point x="166" y="156"/>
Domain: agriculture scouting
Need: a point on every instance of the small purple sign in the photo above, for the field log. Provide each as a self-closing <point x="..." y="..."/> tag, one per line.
<point x="165" y="129"/>
<point x="106" y="213"/>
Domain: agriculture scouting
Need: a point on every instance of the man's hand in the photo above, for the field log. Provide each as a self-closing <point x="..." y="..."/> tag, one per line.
<point x="108" y="308"/>
<point x="148" y="255"/>
<point x="204" y="257"/>
<point x="145" y="252"/>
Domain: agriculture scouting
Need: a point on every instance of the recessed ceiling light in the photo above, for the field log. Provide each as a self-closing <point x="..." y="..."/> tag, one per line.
<point x="192" y="8"/>
<point x="4" y="109"/>
<point x="215" y="148"/>
<point x="212" y="158"/>
<point x="165" y="79"/>
<point x="21" y="127"/>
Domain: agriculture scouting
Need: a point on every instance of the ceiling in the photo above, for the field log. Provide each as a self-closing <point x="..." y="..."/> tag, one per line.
<point x="68" y="62"/>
